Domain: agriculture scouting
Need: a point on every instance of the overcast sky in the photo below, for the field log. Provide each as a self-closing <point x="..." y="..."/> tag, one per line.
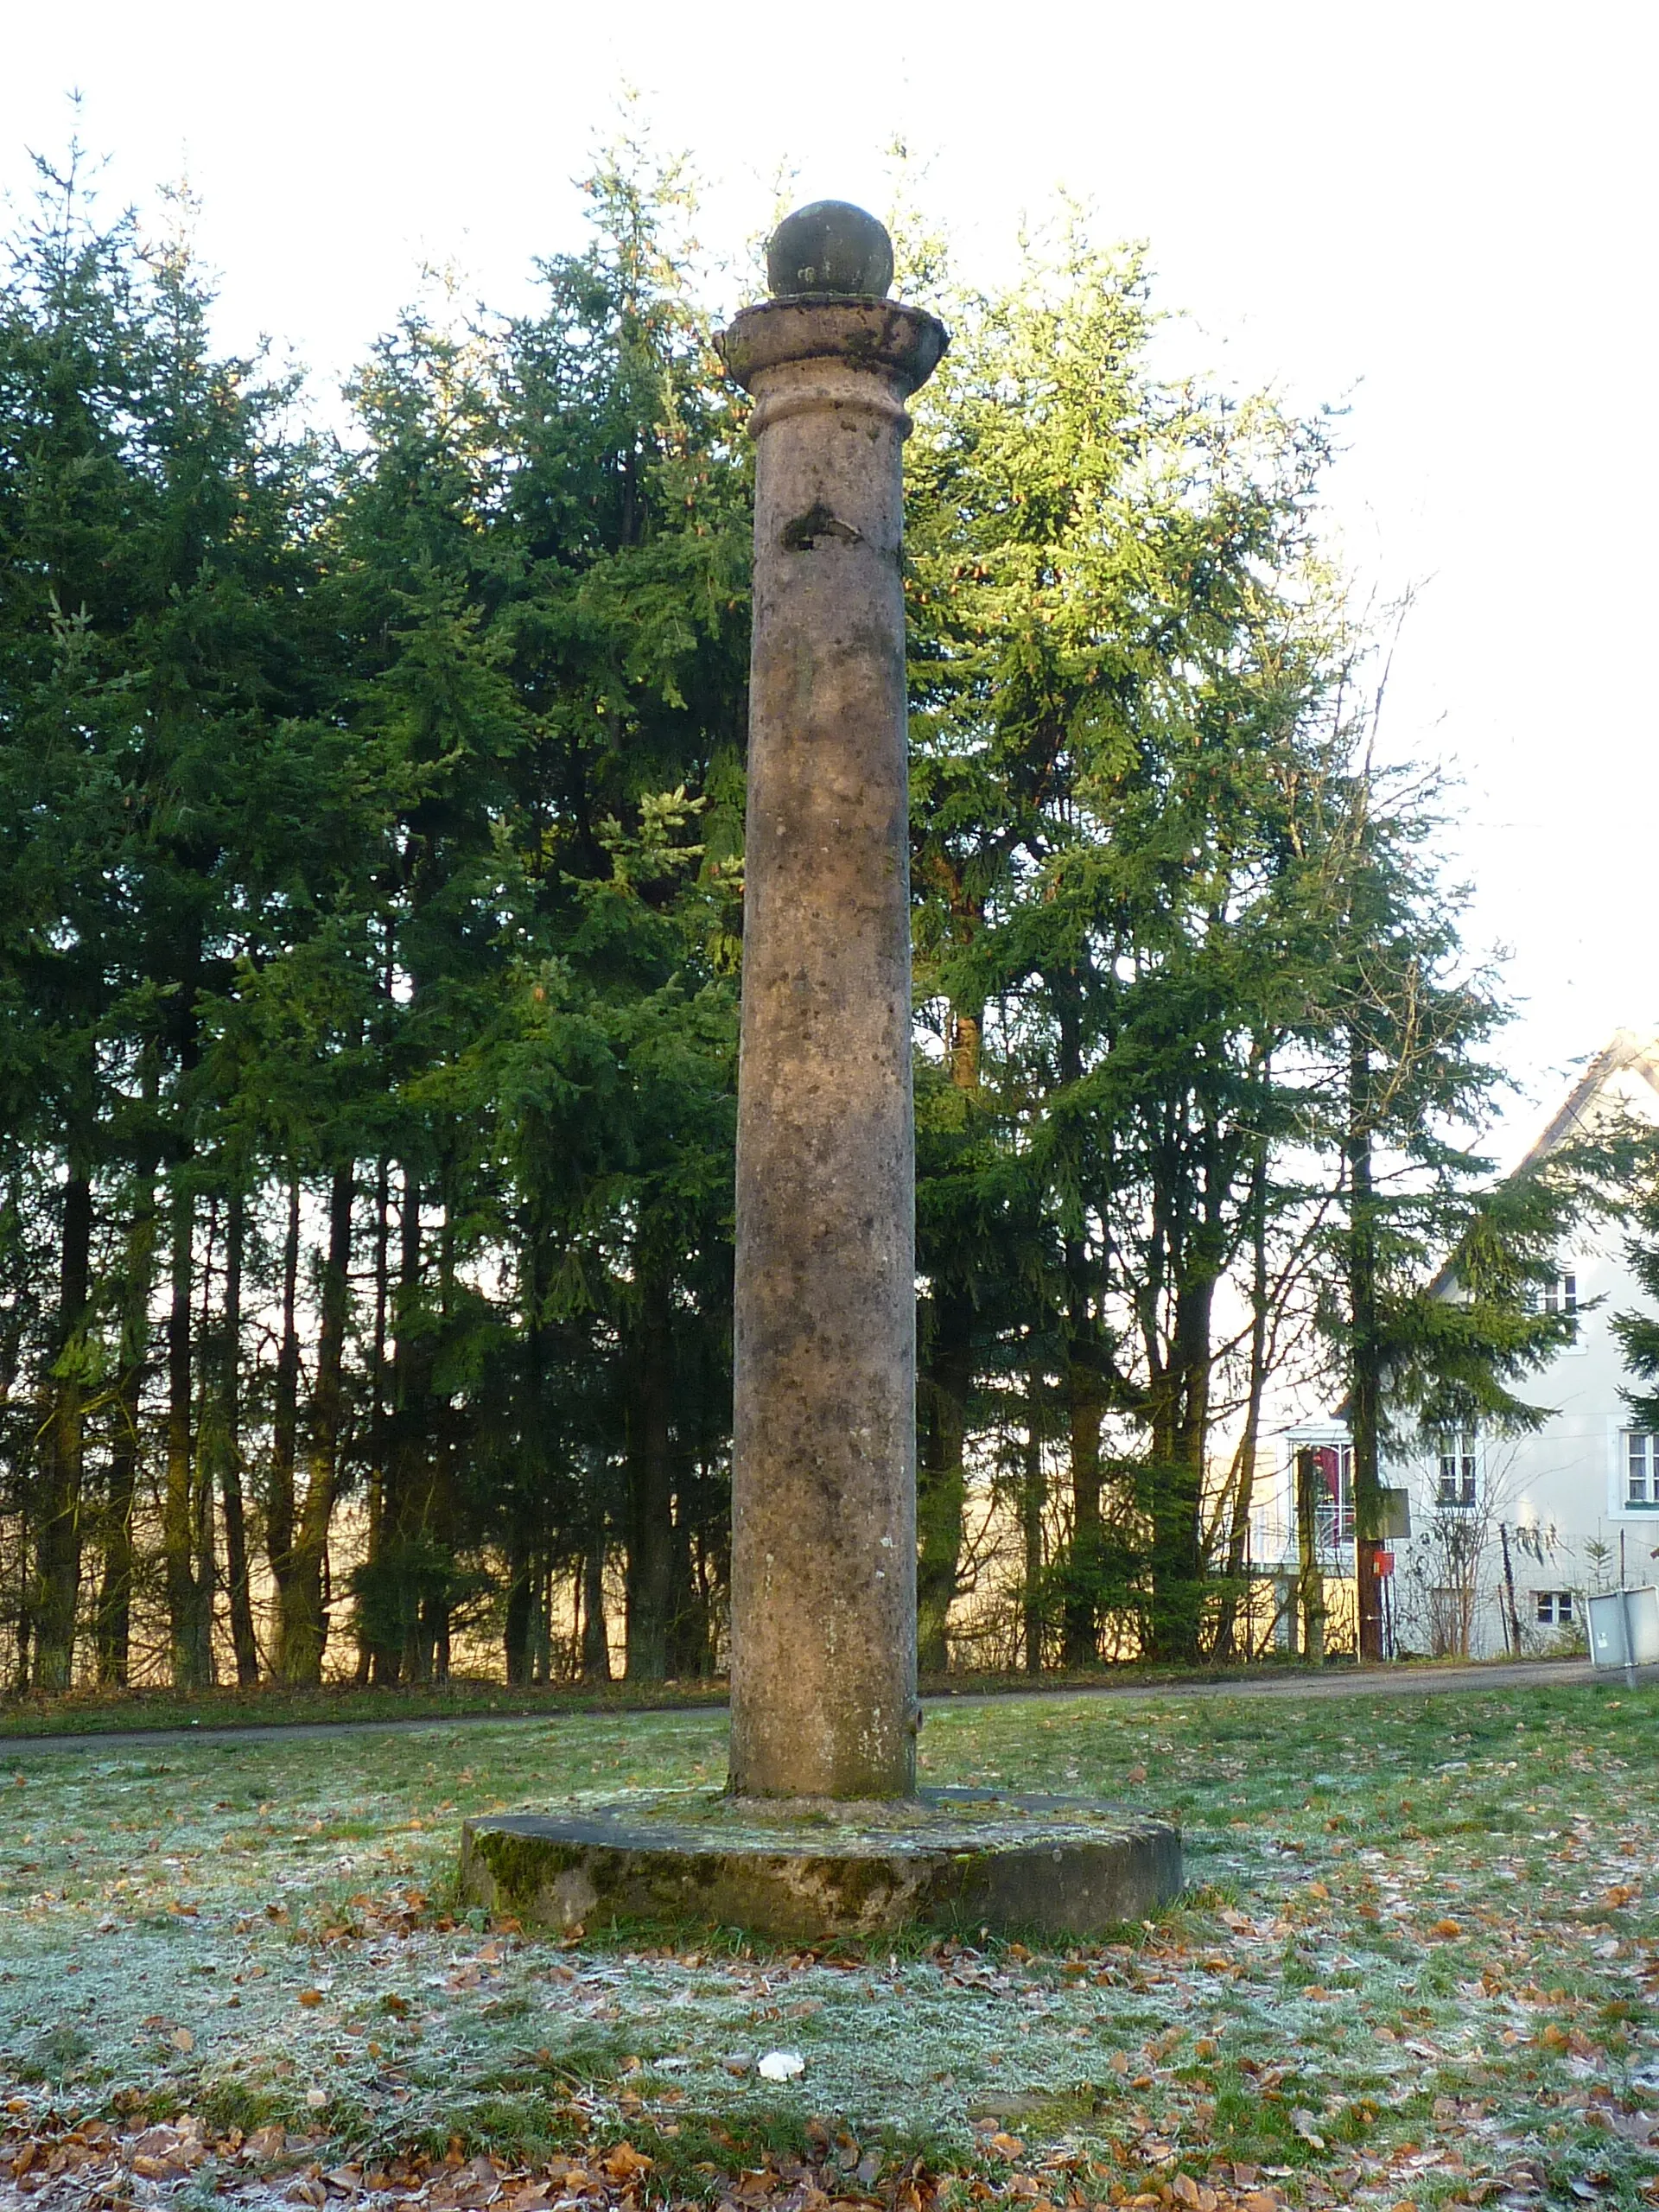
<point x="1440" y="215"/>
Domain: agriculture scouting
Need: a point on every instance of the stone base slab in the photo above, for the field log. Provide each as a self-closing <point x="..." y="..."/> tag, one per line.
<point x="808" y="1870"/>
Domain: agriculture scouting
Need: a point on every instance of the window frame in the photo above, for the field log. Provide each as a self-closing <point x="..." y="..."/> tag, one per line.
<point x="1561" y="1294"/>
<point x="1464" y="1461"/>
<point x="1619" y="1508"/>
<point x="1629" y="1440"/>
<point x="1334" y="1520"/>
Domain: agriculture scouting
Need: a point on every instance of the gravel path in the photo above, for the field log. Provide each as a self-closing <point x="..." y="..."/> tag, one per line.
<point x="1346" y="1682"/>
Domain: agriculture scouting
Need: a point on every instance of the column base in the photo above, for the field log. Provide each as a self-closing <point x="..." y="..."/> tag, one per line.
<point x="806" y="1871"/>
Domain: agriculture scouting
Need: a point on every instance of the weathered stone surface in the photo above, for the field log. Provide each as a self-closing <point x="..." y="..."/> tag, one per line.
<point x="807" y="1871"/>
<point x="829" y="246"/>
<point x="899" y="345"/>
<point x="824" y="1582"/>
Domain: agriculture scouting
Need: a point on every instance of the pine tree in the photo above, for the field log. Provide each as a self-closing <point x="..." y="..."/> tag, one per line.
<point x="1120" y="661"/>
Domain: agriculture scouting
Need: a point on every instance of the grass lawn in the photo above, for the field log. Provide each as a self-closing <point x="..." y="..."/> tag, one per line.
<point x="1414" y="1967"/>
<point x="275" y="1705"/>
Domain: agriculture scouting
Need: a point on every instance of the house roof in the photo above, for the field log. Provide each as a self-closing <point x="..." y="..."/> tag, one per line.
<point x="1629" y="1050"/>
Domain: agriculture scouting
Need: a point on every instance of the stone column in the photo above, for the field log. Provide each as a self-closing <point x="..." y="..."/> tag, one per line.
<point x="824" y="1564"/>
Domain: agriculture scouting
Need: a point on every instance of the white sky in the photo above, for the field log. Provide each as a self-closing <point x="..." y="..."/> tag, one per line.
<point x="1439" y="213"/>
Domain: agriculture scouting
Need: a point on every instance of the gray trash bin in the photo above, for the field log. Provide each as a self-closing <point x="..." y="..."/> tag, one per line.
<point x="1624" y="1628"/>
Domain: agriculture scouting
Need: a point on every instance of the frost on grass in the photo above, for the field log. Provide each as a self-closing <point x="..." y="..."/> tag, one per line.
<point x="1415" y="1967"/>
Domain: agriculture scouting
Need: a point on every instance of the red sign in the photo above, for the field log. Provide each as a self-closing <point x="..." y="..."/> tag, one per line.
<point x="1384" y="1563"/>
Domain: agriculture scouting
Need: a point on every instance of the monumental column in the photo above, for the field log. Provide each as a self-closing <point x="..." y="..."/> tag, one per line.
<point x="823" y="1558"/>
<point x="824" y="1564"/>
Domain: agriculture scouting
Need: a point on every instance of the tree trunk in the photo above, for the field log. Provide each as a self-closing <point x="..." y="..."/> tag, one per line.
<point x="1085" y="1408"/>
<point x="1513" y="1624"/>
<point x="114" y="1629"/>
<point x="946" y="1381"/>
<point x="526" y="1567"/>
<point x="203" y="1516"/>
<point x="11" y="1362"/>
<point x="437" y="1498"/>
<point x="1178" y="1579"/>
<point x="1311" y="1580"/>
<point x="377" y="1513"/>
<point x="236" y="1575"/>
<point x="595" y="1633"/>
<point x="965" y="1036"/>
<point x="188" y="1605"/>
<point x="542" y="1627"/>
<point x="520" y="1614"/>
<point x="651" y="1546"/>
<point x="284" y="1434"/>
<point x="688" y="1624"/>
<point x="395" y="1619"/>
<point x="1082" y="1374"/>
<point x="411" y="1613"/>
<point x="58" y="1522"/>
<point x="305" y="1626"/>
<point x="1032" y="1501"/>
<point x="1241" y="1489"/>
<point x="1365" y="1393"/>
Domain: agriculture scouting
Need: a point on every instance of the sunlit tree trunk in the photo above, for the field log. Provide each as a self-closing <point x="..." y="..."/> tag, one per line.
<point x="58" y="1520"/>
<point x="284" y="1431"/>
<point x="188" y="1605"/>
<point x="946" y="1380"/>
<point x="1034" y="1500"/>
<point x="1365" y="1388"/>
<point x="1085" y="1408"/>
<point x="1310" y="1595"/>
<point x="114" y="1626"/>
<point x="651" y="1468"/>
<point x="377" y="1482"/>
<point x="396" y="1653"/>
<point x="237" y="1576"/>
<point x="595" y="1629"/>
<point x="520" y="1614"/>
<point x="305" y="1626"/>
<point x="1241" y="1489"/>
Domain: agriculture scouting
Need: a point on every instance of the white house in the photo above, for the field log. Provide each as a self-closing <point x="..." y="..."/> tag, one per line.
<point x="1507" y="1534"/>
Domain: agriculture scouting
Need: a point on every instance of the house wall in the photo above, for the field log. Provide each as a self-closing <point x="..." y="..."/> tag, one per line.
<point x="1559" y="1495"/>
<point x="1555" y="1496"/>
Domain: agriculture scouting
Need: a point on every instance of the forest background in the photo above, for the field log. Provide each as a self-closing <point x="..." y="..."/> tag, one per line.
<point x="370" y="891"/>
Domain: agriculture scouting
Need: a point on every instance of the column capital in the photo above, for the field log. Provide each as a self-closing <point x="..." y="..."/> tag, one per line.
<point x="901" y="344"/>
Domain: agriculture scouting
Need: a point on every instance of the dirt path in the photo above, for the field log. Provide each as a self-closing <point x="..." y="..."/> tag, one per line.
<point x="1372" y="1682"/>
<point x="1343" y="1681"/>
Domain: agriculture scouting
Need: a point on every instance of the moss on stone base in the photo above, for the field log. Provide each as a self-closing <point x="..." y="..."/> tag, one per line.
<point x="809" y="1871"/>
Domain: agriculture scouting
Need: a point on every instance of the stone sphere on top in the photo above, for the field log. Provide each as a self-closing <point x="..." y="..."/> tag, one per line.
<point x="829" y="246"/>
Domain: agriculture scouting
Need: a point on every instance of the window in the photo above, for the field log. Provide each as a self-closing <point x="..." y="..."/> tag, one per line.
<point x="1555" y="1608"/>
<point x="1641" y="1471"/>
<point x="1457" y="1481"/>
<point x="1335" y="1463"/>
<point x="1332" y="1466"/>
<point x="1557" y="1294"/>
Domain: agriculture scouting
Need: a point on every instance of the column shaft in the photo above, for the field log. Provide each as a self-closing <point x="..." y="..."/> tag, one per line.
<point x="824" y="1593"/>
